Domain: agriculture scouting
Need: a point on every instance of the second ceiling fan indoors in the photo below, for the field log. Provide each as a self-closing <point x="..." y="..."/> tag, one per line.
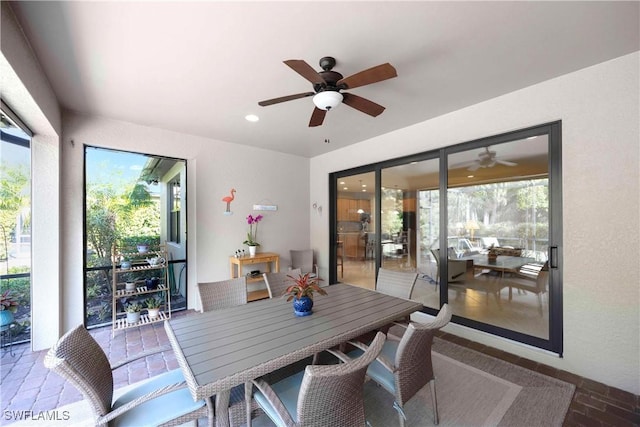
<point x="328" y="84"/>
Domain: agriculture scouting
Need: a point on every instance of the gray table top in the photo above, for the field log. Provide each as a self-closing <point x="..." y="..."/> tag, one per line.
<point x="220" y="349"/>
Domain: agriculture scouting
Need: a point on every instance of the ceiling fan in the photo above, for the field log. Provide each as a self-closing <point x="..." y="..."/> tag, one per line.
<point x="486" y="159"/>
<point x="328" y="84"/>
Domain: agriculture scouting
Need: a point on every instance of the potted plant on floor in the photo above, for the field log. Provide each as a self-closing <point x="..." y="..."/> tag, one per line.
<point x="8" y="306"/>
<point x="301" y="292"/>
<point x="133" y="312"/>
<point x="153" y="307"/>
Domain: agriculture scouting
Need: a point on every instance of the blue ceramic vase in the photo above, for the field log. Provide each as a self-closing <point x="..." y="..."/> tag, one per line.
<point x="302" y="306"/>
<point x="6" y="317"/>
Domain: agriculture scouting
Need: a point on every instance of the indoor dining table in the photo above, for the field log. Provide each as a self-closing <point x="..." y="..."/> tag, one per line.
<point x="221" y="349"/>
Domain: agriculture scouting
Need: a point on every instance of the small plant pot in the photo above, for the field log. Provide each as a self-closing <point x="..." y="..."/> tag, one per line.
<point x="6" y="317"/>
<point x="130" y="286"/>
<point x="154" y="313"/>
<point x="303" y="306"/>
<point x="152" y="283"/>
<point x="133" y="317"/>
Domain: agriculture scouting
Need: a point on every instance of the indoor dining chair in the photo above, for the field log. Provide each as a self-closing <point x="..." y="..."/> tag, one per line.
<point x="277" y="283"/>
<point x="223" y="294"/>
<point x="162" y="400"/>
<point x="404" y="367"/>
<point x="321" y="395"/>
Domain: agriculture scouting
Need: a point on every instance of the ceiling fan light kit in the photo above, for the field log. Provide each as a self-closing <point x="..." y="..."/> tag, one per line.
<point x="327" y="100"/>
<point x="327" y="85"/>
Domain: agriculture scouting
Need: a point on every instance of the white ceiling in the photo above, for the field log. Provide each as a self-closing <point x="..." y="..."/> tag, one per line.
<point x="200" y="67"/>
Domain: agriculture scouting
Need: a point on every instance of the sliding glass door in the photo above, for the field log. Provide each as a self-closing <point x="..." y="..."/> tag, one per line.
<point x="498" y="234"/>
<point x="356" y="221"/>
<point x="480" y="222"/>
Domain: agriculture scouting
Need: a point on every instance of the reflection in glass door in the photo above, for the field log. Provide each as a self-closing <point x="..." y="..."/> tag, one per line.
<point x="409" y="229"/>
<point x="498" y="234"/>
<point x="355" y="227"/>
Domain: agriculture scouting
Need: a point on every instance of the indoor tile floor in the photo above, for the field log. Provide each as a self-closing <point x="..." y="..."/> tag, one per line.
<point x="26" y="385"/>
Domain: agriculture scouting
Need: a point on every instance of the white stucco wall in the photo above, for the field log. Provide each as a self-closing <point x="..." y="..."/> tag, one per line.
<point x="26" y="90"/>
<point x="213" y="168"/>
<point x="600" y="109"/>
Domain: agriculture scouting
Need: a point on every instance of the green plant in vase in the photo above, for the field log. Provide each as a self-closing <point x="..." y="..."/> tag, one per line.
<point x="301" y="292"/>
<point x="133" y="312"/>
<point x="153" y="307"/>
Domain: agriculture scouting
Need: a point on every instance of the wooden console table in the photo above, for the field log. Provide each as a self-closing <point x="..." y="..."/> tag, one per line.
<point x="236" y="266"/>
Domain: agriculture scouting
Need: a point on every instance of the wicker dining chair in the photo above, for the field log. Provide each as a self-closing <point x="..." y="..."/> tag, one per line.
<point x="164" y="400"/>
<point x="303" y="259"/>
<point x="396" y="283"/>
<point x="405" y="367"/>
<point x="223" y="294"/>
<point x="321" y="395"/>
<point x="277" y="283"/>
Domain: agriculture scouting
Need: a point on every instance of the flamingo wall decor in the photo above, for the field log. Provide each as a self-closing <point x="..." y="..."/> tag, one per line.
<point x="228" y="200"/>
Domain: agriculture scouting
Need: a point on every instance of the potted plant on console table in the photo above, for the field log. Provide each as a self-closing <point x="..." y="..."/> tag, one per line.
<point x="301" y="292"/>
<point x="252" y="235"/>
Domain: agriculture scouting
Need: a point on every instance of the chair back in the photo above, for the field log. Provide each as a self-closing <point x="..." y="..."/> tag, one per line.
<point x="542" y="279"/>
<point x="277" y="283"/>
<point x="223" y="294"/>
<point x="78" y="358"/>
<point x="414" y="368"/>
<point x="333" y="395"/>
<point x="396" y="283"/>
<point x="302" y="259"/>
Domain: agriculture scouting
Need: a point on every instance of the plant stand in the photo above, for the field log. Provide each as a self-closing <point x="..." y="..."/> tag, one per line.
<point x="137" y="273"/>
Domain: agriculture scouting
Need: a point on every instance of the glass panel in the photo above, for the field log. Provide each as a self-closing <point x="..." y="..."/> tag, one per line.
<point x="356" y="221"/>
<point x="498" y="225"/>
<point x="15" y="225"/>
<point x="125" y="194"/>
<point x="410" y="224"/>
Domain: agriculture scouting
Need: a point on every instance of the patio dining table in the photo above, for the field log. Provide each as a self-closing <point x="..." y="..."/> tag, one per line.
<point x="221" y="349"/>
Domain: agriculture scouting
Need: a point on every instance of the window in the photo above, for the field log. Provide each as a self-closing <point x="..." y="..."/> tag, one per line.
<point x="15" y="220"/>
<point x="131" y="198"/>
<point x="174" y="209"/>
<point x="480" y="224"/>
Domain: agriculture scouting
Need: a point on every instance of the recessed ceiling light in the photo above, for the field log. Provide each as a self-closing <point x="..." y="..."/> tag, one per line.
<point x="345" y="188"/>
<point x="251" y="118"/>
<point x="470" y="176"/>
<point x="364" y="190"/>
<point x="341" y="182"/>
<point x="364" y="185"/>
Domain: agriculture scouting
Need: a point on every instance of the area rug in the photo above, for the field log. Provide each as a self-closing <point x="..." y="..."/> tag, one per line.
<point x="473" y="389"/>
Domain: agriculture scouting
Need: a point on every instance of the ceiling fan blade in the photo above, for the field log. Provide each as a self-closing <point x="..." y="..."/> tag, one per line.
<point x="474" y="167"/>
<point x="305" y="70"/>
<point x="362" y="104"/>
<point x="285" y="98"/>
<point x="317" y="117"/>
<point x="506" y="163"/>
<point x="371" y="75"/>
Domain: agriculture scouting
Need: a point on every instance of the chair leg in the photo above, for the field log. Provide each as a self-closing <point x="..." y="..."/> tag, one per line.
<point x="436" y="418"/>
<point x="248" y="390"/>
<point x="402" y="416"/>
